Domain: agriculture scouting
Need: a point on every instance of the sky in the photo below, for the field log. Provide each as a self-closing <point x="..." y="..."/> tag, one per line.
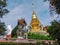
<point x="23" y="9"/>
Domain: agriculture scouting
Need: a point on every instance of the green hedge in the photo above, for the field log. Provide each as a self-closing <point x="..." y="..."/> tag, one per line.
<point x="38" y="36"/>
<point x="10" y="43"/>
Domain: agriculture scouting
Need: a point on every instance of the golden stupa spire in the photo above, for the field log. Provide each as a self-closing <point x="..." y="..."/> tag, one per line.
<point x="34" y="24"/>
<point x="33" y="13"/>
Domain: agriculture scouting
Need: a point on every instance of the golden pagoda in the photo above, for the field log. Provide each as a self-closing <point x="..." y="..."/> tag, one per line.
<point x="35" y="25"/>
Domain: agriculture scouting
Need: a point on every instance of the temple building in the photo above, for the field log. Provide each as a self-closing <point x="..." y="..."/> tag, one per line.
<point x="22" y="31"/>
<point x="35" y="25"/>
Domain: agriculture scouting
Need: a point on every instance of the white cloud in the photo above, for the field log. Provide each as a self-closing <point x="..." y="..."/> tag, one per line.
<point x="15" y="14"/>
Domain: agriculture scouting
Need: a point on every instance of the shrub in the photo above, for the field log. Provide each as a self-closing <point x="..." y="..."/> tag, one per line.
<point x="38" y="36"/>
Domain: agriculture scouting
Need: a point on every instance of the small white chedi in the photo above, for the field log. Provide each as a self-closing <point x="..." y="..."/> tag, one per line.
<point x="9" y="28"/>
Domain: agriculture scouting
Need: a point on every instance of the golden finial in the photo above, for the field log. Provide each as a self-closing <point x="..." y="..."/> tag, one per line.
<point x="32" y="4"/>
<point x="33" y="12"/>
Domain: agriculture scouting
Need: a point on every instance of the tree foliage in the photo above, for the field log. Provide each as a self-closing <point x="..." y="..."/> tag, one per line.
<point x="14" y="32"/>
<point x="56" y="4"/>
<point x="54" y="30"/>
<point x="3" y="10"/>
<point x="2" y="28"/>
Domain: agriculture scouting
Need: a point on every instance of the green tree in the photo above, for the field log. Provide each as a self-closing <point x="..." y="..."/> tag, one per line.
<point x="3" y="11"/>
<point x="14" y="32"/>
<point x="54" y="30"/>
<point x="56" y="4"/>
<point x="2" y="28"/>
